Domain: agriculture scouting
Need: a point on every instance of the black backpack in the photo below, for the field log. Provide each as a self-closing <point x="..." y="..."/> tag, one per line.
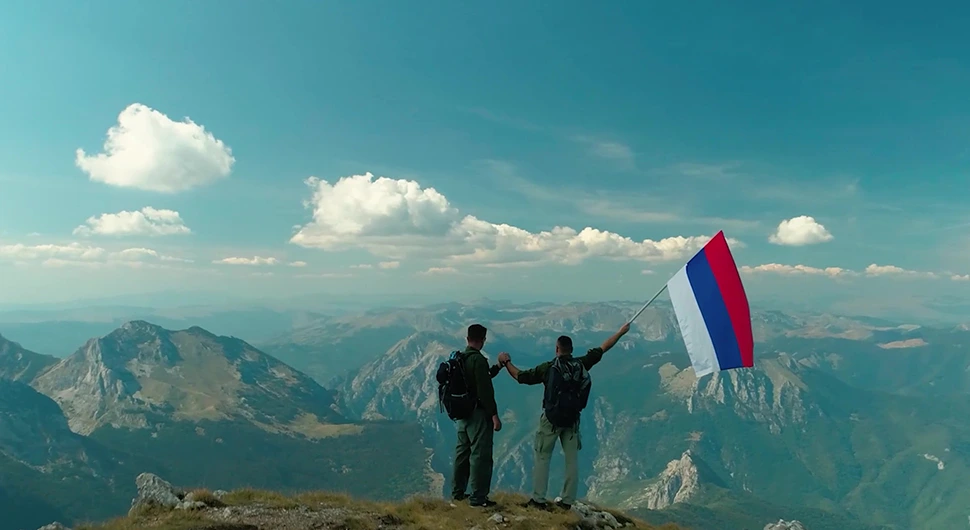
<point x="454" y="396"/>
<point x="567" y="391"/>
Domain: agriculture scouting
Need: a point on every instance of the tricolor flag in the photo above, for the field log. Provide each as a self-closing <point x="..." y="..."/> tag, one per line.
<point x="712" y="310"/>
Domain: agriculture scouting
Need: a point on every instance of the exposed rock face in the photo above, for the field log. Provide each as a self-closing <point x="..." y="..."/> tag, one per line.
<point x="679" y="482"/>
<point x="772" y="393"/>
<point x="141" y="373"/>
<point x="595" y="519"/>
<point x="401" y="384"/>
<point x="785" y="525"/>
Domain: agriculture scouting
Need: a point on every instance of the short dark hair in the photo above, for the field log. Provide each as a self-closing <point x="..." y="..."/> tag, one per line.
<point x="565" y="344"/>
<point x="476" y="332"/>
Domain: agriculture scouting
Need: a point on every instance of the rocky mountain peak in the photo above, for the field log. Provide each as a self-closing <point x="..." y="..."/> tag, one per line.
<point x="771" y="392"/>
<point x="679" y="482"/>
<point x="141" y="373"/>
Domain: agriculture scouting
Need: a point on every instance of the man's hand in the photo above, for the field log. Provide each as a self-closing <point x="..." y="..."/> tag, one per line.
<point x="610" y="342"/>
<point x="496" y="423"/>
<point x="503" y="358"/>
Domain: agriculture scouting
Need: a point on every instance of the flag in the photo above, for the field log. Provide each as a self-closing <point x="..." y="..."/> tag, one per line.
<point x="712" y="310"/>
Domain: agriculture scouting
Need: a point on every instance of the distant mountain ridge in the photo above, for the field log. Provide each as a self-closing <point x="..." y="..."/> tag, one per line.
<point x="141" y="370"/>
<point x="842" y="423"/>
<point x="18" y="363"/>
<point x="810" y="428"/>
<point x="190" y="404"/>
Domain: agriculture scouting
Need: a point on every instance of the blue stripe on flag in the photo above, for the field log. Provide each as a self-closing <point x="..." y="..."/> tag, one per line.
<point x="711" y="303"/>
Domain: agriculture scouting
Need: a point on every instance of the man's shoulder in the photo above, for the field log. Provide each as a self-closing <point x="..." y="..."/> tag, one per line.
<point x="473" y="357"/>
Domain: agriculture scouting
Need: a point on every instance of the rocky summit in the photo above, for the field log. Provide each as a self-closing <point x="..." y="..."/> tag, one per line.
<point x="160" y="505"/>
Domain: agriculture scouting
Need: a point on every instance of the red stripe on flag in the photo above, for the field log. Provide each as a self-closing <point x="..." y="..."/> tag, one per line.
<point x="732" y="291"/>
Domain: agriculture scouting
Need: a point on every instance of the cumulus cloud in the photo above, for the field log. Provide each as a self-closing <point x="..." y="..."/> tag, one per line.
<point x="255" y="260"/>
<point x="78" y="255"/>
<point x="960" y="277"/>
<point x="398" y="218"/>
<point x="799" y="231"/>
<point x="73" y="251"/>
<point x="147" y="150"/>
<point x="872" y="270"/>
<point x="892" y="270"/>
<point x="298" y="264"/>
<point x="778" y="268"/>
<point x="145" y="222"/>
<point x="389" y="264"/>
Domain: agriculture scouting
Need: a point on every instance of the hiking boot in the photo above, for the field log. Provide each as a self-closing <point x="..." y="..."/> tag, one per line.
<point x="564" y="506"/>
<point x="537" y="505"/>
<point x="484" y="503"/>
<point x="460" y="497"/>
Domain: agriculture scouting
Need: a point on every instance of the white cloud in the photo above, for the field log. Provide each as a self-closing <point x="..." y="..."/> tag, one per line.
<point x="77" y="255"/>
<point x="872" y="270"/>
<point x="646" y="272"/>
<point x="145" y="222"/>
<point x="892" y="270"/>
<point x="441" y="270"/>
<point x="298" y="264"/>
<point x="255" y="260"/>
<point x="148" y="151"/>
<point x="799" y="231"/>
<point x="73" y="251"/>
<point x="777" y="268"/>
<point x="960" y="277"/>
<point x="398" y="218"/>
<point x="389" y="264"/>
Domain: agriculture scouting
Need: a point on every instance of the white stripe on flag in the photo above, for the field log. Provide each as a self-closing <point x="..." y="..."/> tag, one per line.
<point x="700" y="348"/>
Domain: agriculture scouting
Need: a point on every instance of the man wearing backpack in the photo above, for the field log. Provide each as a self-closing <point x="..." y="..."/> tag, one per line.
<point x="466" y="391"/>
<point x="567" y="383"/>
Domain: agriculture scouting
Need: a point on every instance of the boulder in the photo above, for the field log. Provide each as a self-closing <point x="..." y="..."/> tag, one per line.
<point x="785" y="525"/>
<point x="594" y="518"/>
<point x="153" y="491"/>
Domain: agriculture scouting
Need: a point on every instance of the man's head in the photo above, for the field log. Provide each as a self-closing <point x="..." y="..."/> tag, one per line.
<point x="476" y="336"/>
<point x="564" y="345"/>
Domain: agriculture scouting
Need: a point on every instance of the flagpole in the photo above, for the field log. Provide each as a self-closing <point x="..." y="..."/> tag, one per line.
<point x="662" y="289"/>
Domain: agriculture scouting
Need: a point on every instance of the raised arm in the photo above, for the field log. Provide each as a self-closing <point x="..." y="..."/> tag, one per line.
<point x="610" y="342"/>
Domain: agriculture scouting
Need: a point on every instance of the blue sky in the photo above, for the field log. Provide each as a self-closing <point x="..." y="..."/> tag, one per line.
<point x="646" y="121"/>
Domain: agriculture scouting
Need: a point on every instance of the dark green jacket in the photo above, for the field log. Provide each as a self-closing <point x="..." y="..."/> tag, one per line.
<point x="478" y="377"/>
<point x="537" y="375"/>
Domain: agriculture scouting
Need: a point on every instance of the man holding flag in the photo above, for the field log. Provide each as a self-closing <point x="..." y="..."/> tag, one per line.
<point x="567" y="384"/>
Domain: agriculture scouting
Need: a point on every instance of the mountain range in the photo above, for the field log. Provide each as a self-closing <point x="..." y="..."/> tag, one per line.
<point x="844" y="422"/>
<point x="202" y="408"/>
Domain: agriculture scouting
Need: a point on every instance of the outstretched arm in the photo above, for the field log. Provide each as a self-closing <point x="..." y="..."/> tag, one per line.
<point x="610" y="342"/>
<point x="533" y="376"/>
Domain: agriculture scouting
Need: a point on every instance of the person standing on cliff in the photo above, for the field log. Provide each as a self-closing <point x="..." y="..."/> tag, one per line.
<point x="473" y="451"/>
<point x="567" y="383"/>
